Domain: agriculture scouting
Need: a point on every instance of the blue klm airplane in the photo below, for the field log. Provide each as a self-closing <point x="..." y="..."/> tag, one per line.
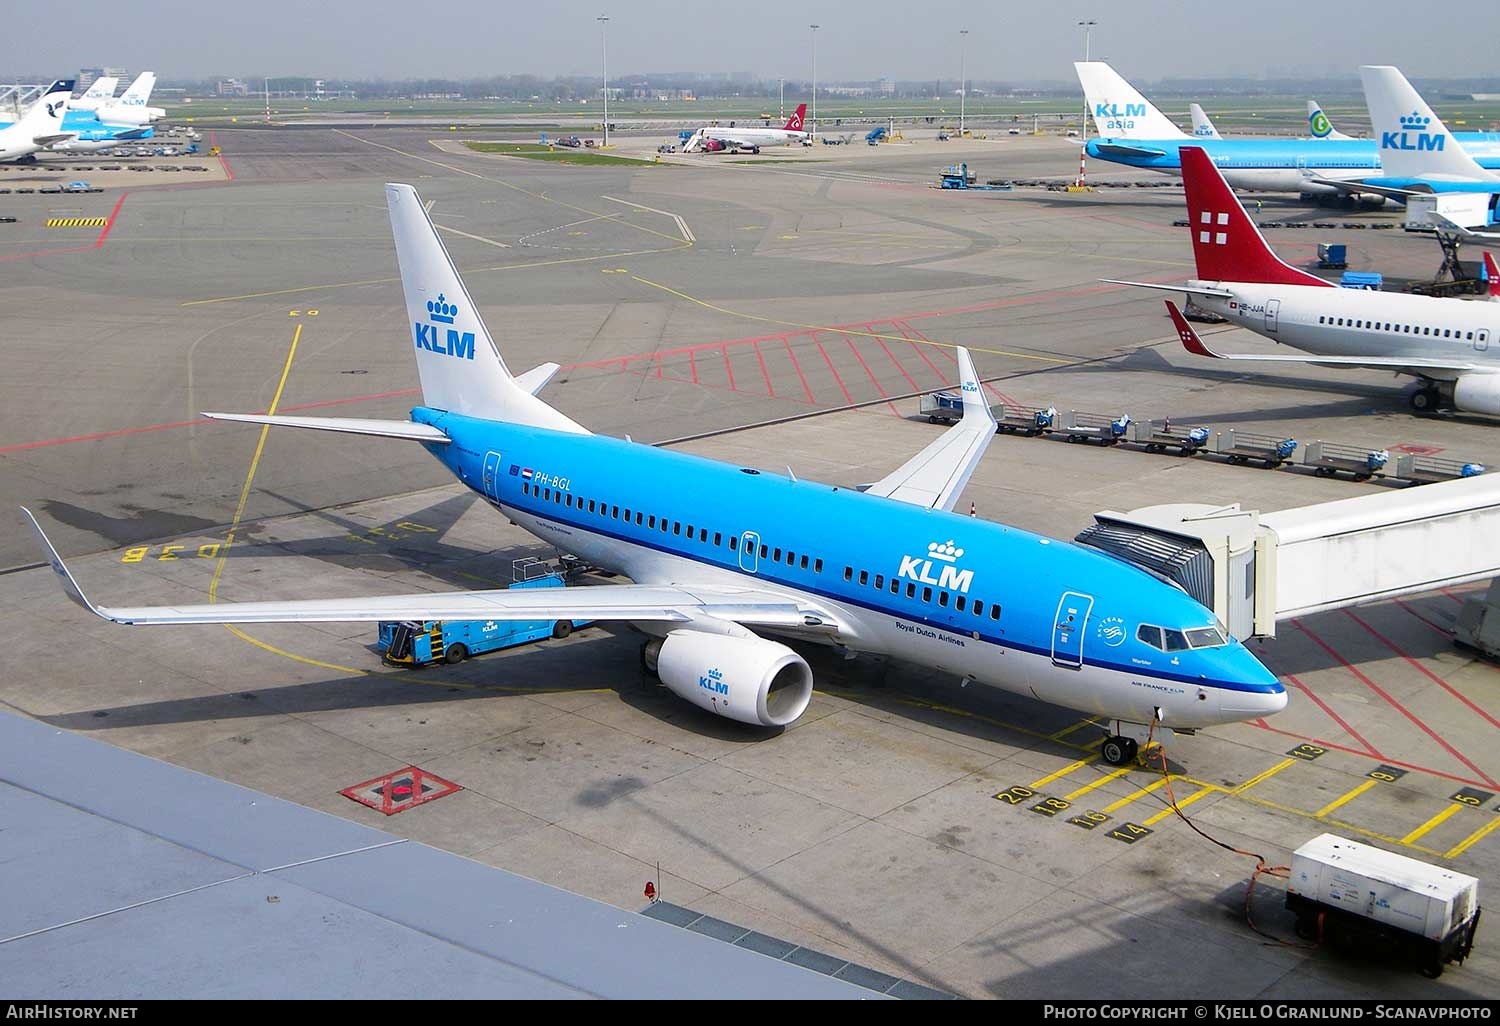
<point x="726" y="558"/>
<point x="1133" y="132"/>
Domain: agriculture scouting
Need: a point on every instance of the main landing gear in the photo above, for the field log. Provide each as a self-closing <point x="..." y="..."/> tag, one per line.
<point x="1426" y="398"/>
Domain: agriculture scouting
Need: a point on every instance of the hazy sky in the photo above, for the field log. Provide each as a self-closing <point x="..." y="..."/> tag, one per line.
<point x="858" y="39"/>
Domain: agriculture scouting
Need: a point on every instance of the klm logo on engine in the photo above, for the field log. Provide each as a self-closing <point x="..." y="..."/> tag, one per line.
<point x="714" y="683"/>
<point x="429" y="337"/>
<point x="940" y="556"/>
<point x="1413" y="135"/>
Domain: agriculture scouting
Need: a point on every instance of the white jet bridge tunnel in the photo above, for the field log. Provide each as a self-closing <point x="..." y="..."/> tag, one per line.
<point x="1254" y="569"/>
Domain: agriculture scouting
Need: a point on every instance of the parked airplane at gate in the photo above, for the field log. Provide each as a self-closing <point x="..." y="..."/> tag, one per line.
<point x="1135" y="133"/>
<point x="1422" y="163"/>
<point x="40" y="126"/>
<point x="728" y="557"/>
<point x="1444" y="343"/>
<point x="747" y="137"/>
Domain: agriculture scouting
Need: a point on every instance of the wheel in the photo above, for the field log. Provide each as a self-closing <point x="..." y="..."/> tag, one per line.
<point x="455" y="654"/>
<point x="1114" y="751"/>
<point x="1424" y="400"/>
<point x="1432" y="969"/>
<point x="1323" y="471"/>
<point x="931" y="419"/>
<point x="562" y="628"/>
<point x="1132" y="749"/>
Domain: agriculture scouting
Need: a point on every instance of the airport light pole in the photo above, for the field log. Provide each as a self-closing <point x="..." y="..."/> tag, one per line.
<point x="963" y="81"/>
<point x="814" y="133"/>
<point x="603" y="21"/>
<point x="1087" y="27"/>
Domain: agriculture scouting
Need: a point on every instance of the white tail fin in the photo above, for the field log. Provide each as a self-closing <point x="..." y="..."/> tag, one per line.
<point x="459" y="366"/>
<point x="1119" y="111"/>
<point x="44" y="119"/>
<point x="1202" y="127"/>
<point x="139" y="92"/>
<point x="1413" y="143"/>
<point x="1319" y="125"/>
<point x="102" y="91"/>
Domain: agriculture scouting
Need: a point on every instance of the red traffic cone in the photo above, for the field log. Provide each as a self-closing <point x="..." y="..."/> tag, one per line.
<point x="650" y="891"/>
<point x="973" y="510"/>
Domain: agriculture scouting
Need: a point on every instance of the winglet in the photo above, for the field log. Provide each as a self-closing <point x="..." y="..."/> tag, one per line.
<point x="70" y="586"/>
<point x="1190" y="340"/>
<point x="1492" y="275"/>
<point x="976" y="410"/>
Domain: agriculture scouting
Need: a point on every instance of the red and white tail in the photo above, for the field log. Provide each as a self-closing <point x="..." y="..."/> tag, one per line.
<point x="1492" y="275"/>
<point x="794" y="123"/>
<point x="1227" y="245"/>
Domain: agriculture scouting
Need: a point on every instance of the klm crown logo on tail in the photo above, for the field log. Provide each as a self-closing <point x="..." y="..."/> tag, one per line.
<point x="442" y="312"/>
<point x="1413" y="135"/>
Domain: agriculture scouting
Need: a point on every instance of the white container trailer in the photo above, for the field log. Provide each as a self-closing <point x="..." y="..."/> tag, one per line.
<point x="1363" y="896"/>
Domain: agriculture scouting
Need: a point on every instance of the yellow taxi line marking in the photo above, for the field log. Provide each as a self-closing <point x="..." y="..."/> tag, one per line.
<point x="1138" y="793"/>
<point x="239" y="510"/>
<point x="1062" y="772"/>
<point x="1350" y="827"/>
<point x="1468" y="842"/>
<point x="1202" y="792"/>
<point x="1260" y="777"/>
<point x="1086" y="788"/>
<point x="1430" y="824"/>
<point x="1068" y="730"/>
<point x="1361" y="789"/>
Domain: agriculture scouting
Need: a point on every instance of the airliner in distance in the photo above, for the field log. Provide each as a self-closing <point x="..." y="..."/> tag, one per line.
<point x="40" y="126"/>
<point x="749" y="137"/>
<point x="102" y="91"/>
<point x="1444" y="343"/>
<point x="1134" y="133"/>
<point x="725" y="557"/>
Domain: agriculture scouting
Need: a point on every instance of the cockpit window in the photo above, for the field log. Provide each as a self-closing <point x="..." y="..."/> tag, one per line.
<point x="1168" y="640"/>
<point x="1206" y="637"/>
<point x="1176" y="641"/>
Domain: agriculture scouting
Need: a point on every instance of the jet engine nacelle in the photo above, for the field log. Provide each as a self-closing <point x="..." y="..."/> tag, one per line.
<point x="748" y="679"/>
<point x="1478" y="393"/>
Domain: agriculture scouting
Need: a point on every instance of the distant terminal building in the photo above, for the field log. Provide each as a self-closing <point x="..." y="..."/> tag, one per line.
<point x="232" y="87"/>
<point x="886" y="87"/>
<point x="87" y="77"/>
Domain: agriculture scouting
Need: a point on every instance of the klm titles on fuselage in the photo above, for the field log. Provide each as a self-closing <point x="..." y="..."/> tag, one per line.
<point x="457" y="344"/>
<point x="1110" y="115"/>
<point x="942" y="555"/>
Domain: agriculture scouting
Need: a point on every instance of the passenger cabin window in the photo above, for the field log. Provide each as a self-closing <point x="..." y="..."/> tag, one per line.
<point x="804" y="561"/>
<point x="942" y="598"/>
<point x="864" y="578"/>
<point x="848" y="573"/>
<point x="994" y="612"/>
<point x="926" y="594"/>
<point x="650" y="521"/>
<point x="734" y="543"/>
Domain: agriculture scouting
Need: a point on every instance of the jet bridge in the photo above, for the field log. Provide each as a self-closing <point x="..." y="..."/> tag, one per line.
<point x="1254" y="569"/>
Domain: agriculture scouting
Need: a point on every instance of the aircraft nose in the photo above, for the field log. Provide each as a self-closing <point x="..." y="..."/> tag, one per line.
<point x="1263" y="694"/>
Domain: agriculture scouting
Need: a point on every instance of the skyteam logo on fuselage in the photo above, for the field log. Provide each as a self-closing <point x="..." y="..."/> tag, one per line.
<point x="944" y="555"/>
<point x="456" y="344"/>
<point x="714" y="683"/>
<point x="1413" y="135"/>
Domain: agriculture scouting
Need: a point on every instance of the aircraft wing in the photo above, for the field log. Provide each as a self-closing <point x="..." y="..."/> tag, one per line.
<point x="1450" y="225"/>
<point x="1353" y="186"/>
<point x="1195" y="290"/>
<point x="1114" y="149"/>
<point x="936" y="476"/>
<point x="606" y="602"/>
<point x="56" y="137"/>
<point x="1402" y="364"/>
